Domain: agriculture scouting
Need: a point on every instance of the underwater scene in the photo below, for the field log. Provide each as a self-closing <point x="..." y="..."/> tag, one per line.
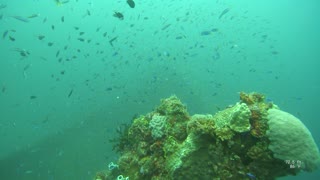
<point x="159" y="90"/>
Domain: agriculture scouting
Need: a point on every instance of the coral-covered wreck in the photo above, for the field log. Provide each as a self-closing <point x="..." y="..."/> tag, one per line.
<point x="252" y="139"/>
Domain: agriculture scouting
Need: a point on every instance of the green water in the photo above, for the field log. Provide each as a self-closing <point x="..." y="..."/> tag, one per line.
<point x="72" y="74"/>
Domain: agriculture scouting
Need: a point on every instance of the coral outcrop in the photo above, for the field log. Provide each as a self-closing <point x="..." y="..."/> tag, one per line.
<point x="239" y="142"/>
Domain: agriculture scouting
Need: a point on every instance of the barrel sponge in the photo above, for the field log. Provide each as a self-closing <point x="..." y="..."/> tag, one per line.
<point x="290" y="139"/>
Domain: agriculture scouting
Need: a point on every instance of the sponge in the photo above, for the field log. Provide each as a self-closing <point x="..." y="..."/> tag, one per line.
<point x="291" y="140"/>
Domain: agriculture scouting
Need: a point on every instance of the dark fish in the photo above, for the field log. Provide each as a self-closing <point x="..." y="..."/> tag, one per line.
<point x="22" y="52"/>
<point x="44" y="20"/>
<point x="165" y="27"/>
<point x="62" y="19"/>
<point x="22" y="19"/>
<point x="205" y="33"/>
<point x="58" y="52"/>
<point x="76" y="28"/>
<point x="224" y="12"/>
<point x="12" y="38"/>
<point x="118" y="15"/>
<point x="113" y="39"/>
<point x="214" y="30"/>
<point x="3" y="90"/>
<point x="26" y="67"/>
<point x="52" y="27"/>
<point x="81" y="39"/>
<point x="65" y="2"/>
<point x="131" y="3"/>
<point x="33" y="97"/>
<point x="40" y="37"/>
<point x="50" y="43"/>
<point x="70" y="93"/>
<point x="3" y="6"/>
<point x="81" y="33"/>
<point x="5" y="34"/>
<point x="88" y="13"/>
<point x="105" y="34"/>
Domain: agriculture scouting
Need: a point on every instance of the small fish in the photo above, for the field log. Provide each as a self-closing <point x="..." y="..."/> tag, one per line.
<point x="4" y="35"/>
<point x="251" y="176"/>
<point x="12" y="38"/>
<point x="50" y="44"/>
<point x="104" y="34"/>
<point x="22" y="19"/>
<point x="1" y="16"/>
<point x="118" y="15"/>
<point x="27" y="67"/>
<point x="62" y="19"/>
<point x="28" y="172"/>
<point x="2" y="6"/>
<point x="214" y="30"/>
<point x="58" y="52"/>
<point x="33" y="97"/>
<point x="33" y="16"/>
<point x="3" y="90"/>
<point x="88" y="13"/>
<point x="113" y="39"/>
<point x="81" y="39"/>
<point x="81" y="33"/>
<point x="205" y="33"/>
<point x="60" y="3"/>
<point x="224" y="12"/>
<point x="22" y="52"/>
<point x="180" y="37"/>
<point x="52" y="27"/>
<point x="44" y="20"/>
<point x="131" y="3"/>
<point x="40" y="37"/>
<point x="165" y="27"/>
<point x="76" y="28"/>
<point x="70" y="93"/>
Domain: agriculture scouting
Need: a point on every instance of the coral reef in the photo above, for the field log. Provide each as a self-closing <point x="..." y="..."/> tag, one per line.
<point x="168" y="143"/>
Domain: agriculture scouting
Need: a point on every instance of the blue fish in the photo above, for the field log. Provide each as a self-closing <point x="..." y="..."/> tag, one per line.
<point x="20" y="18"/>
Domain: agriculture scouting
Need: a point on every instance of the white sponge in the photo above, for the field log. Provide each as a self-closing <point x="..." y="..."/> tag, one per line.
<point x="291" y="140"/>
